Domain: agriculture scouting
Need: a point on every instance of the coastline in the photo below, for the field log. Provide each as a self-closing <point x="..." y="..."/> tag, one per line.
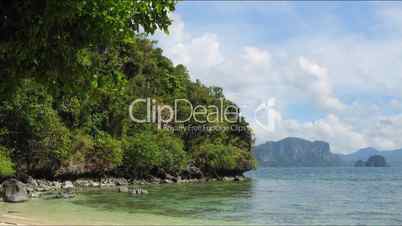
<point x="35" y="187"/>
<point x="94" y="217"/>
<point x="60" y="211"/>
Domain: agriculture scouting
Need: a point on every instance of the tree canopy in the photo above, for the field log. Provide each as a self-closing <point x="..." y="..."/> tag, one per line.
<point x="51" y="39"/>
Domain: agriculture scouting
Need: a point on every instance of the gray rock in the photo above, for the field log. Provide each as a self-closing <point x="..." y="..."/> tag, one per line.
<point x="32" y="182"/>
<point x="82" y="183"/>
<point x="193" y="172"/>
<point x="107" y="182"/>
<point x="138" y="191"/>
<point x="170" y="177"/>
<point x="35" y="194"/>
<point x="228" y="179"/>
<point x="239" y="178"/>
<point x="123" y="189"/>
<point x="93" y="184"/>
<point x="167" y="181"/>
<point x="43" y="185"/>
<point x="121" y="181"/>
<point x="155" y="180"/>
<point x="57" y="185"/>
<point x="14" y="191"/>
<point x="68" y="187"/>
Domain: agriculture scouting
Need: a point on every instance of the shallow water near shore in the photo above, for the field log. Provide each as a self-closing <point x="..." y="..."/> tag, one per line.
<point x="165" y="204"/>
<point x="275" y="196"/>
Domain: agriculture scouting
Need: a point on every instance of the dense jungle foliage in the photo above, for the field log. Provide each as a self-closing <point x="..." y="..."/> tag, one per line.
<point x="69" y="71"/>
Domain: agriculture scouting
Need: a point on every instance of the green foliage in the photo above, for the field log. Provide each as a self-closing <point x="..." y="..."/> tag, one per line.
<point x="70" y="69"/>
<point x="82" y="149"/>
<point x="35" y="131"/>
<point x="149" y="151"/>
<point x="6" y="165"/>
<point x="49" y="39"/>
<point x="107" y="152"/>
<point x="219" y="159"/>
<point x="93" y="155"/>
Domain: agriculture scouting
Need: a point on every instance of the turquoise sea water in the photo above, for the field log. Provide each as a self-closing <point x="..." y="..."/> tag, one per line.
<point x="274" y="196"/>
<point x="335" y="196"/>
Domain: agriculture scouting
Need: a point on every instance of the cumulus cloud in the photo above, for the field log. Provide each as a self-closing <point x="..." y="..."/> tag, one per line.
<point x="256" y="56"/>
<point x="329" y="128"/>
<point x="320" y="86"/>
<point x="335" y="80"/>
<point x="185" y="48"/>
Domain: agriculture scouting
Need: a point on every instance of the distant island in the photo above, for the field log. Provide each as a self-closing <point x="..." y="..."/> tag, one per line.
<point x="298" y="152"/>
<point x="373" y="161"/>
<point x="393" y="157"/>
<point x="295" y="152"/>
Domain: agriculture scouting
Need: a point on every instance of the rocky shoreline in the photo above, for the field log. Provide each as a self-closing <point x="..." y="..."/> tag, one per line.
<point x="13" y="190"/>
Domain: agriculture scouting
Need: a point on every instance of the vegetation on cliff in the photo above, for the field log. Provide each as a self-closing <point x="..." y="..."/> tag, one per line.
<point x="70" y="69"/>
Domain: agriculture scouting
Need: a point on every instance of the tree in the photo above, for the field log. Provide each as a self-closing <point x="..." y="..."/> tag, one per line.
<point x="106" y="155"/>
<point x="6" y="166"/>
<point x="52" y="40"/>
<point x="154" y="152"/>
<point x="220" y="159"/>
<point x="39" y="139"/>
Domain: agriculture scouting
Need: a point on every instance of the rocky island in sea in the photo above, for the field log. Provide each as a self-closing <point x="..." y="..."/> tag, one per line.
<point x="372" y="161"/>
<point x="298" y="152"/>
<point x="393" y="157"/>
<point x="295" y="152"/>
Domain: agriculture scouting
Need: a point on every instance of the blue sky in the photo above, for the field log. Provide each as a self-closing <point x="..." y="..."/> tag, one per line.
<point x="333" y="69"/>
<point x="260" y="22"/>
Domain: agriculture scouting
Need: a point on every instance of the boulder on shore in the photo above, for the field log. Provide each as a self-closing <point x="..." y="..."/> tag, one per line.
<point x="138" y="191"/>
<point x="192" y="172"/>
<point x="68" y="187"/>
<point x="14" y="191"/>
<point x="123" y="189"/>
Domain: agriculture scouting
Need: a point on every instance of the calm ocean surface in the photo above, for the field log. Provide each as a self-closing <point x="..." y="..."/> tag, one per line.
<point x="275" y="196"/>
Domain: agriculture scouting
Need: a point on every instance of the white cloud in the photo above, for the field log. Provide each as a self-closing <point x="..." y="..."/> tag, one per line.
<point x="256" y="56"/>
<point x="187" y="49"/>
<point x="330" y="128"/>
<point x="321" y="87"/>
<point x="339" y="90"/>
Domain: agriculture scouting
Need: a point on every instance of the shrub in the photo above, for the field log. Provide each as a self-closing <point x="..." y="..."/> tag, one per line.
<point x="219" y="159"/>
<point x="149" y="151"/>
<point x="6" y="166"/>
<point x="107" y="153"/>
<point x="39" y="139"/>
